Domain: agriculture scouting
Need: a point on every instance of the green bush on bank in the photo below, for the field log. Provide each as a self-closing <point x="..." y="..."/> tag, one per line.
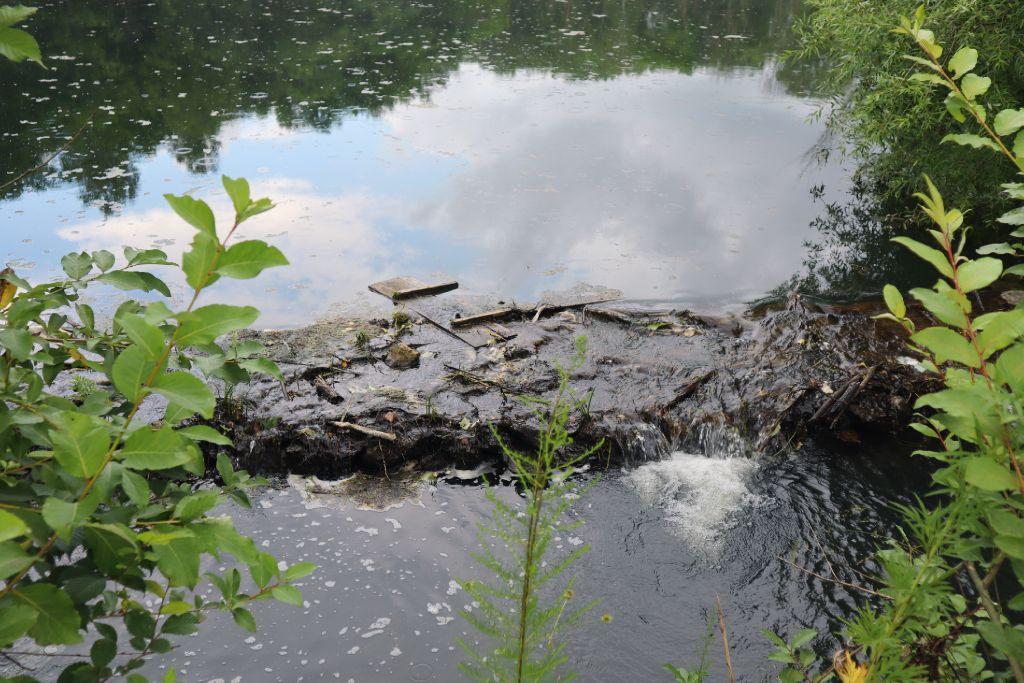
<point x="102" y="514"/>
<point x="951" y="588"/>
<point x="883" y="119"/>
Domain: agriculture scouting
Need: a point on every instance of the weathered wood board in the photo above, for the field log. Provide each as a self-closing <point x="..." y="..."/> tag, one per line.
<point x="486" y="316"/>
<point x="400" y="288"/>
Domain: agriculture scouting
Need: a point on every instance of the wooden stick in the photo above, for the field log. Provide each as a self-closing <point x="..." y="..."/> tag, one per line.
<point x="366" y="430"/>
<point x="725" y="638"/>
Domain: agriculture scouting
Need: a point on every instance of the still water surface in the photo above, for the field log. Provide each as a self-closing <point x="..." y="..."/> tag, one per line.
<point x="665" y="537"/>
<point x="655" y="147"/>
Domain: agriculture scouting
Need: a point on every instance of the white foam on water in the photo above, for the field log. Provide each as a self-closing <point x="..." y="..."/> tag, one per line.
<point x="702" y="495"/>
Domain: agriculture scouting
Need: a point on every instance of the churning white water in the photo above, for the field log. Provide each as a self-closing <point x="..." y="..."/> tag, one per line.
<point x="702" y="495"/>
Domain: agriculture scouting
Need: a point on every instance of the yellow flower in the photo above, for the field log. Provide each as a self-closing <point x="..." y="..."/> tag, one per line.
<point x="849" y="671"/>
<point x="567" y="595"/>
<point x="606" y="618"/>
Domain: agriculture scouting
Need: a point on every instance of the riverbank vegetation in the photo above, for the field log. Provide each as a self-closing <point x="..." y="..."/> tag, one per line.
<point x="105" y="496"/>
<point x="949" y="598"/>
<point x="885" y="121"/>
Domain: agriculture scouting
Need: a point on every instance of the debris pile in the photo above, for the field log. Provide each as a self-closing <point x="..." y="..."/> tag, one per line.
<point x="425" y="388"/>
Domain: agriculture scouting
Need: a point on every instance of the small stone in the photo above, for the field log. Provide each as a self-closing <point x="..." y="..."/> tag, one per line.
<point x="402" y="356"/>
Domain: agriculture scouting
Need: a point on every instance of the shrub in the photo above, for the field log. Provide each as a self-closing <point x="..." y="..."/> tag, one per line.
<point x="942" y="617"/>
<point x="89" y="475"/>
<point x="881" y="116"/>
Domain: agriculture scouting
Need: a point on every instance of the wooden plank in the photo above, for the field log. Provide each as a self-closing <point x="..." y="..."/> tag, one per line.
<point x="399" y="288"/>
<point x="486" y="316"/>
<point x="559" y="302"/>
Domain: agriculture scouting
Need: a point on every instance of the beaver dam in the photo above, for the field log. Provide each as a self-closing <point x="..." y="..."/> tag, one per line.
<point x="414" y="393"/>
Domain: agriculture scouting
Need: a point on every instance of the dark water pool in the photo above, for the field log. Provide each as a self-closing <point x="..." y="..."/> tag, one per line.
<point x="665" y="537"/>
<point x="657" y="147"/>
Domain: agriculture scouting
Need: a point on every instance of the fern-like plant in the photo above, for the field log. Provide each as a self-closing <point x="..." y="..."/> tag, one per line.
<point x="523" y="610"/>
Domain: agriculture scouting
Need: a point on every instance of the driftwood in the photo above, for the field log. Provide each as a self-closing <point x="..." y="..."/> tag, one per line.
<point x="369" y="431"/>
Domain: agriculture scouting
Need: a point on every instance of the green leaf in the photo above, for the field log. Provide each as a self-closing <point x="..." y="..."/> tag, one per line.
<point x="1009" y="121"/>
<point x="155" y="449"/>
<point x="803" y="637"/>
<point x="205" y="433"/>
<point x="147" y="336"/>
<point x="102" y="652"/>
<point x="1011" y="545"/>
<point x="134" y="280"/>
<point x="178" y="560"/>
<point x="205" y="324"/>
<point x="256" y="208"/>
<point x="1006" y="523"/>
<point x="146" y="257"/>
<point x="1018" y="146"/>
<point x="57" y="621"/>
<point x="934" y="79"/>
<point x="187" y="391"/>
<point x="248" y="259"/>
<point x="262" y="365"/>
<point x="16" y="618"/>
<point x="9" y="16"/>
<point x="263" y="569"/>
<point x="11" y="526"/>
<point x="238" y="190"/>
<point x="198" y="262"/>
<point x="955" y="105"/>
<point x="970" y="140"/>
<point x="196" y="505"/>
<point x="965" y="59"/>
<point x="979" y="273"/>
<point x="13" y="559"/>
<point x="1000" y="248"/>
<point x="135" y="487"/>
<point x="76" y="266"/>
<point x="1001" y="330"/>
<point x="974" y="85"/>
<point x="1014" y="217"/>
<point x="299" y="570"/>
<point x="18" y="342"/>
<point x="988" y="475"/>
<point x="113" y="547"/>
<point x="932" y="256"/>
<point x="289" y="595"/>
<point x="80" y="443"/>
<point x="86" y="315"/>
<point x="103" y="259"/>
<point x="131" y="369"/>
<point x="195" y="212"/>
<point x="62" y="516"/>
<point x="946" y="305"/>
<point x="17" y="45"/>
<point x="894" y="301"/>
<point x="1010" y="368"/>
<point x="244" y="618"/>
<point x="946" y="344"/>
<point x="927" y="41"/>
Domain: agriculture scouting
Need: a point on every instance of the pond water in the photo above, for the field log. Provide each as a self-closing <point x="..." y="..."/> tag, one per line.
<point x="656" y="147"/>
<point x="665" y="538"/>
